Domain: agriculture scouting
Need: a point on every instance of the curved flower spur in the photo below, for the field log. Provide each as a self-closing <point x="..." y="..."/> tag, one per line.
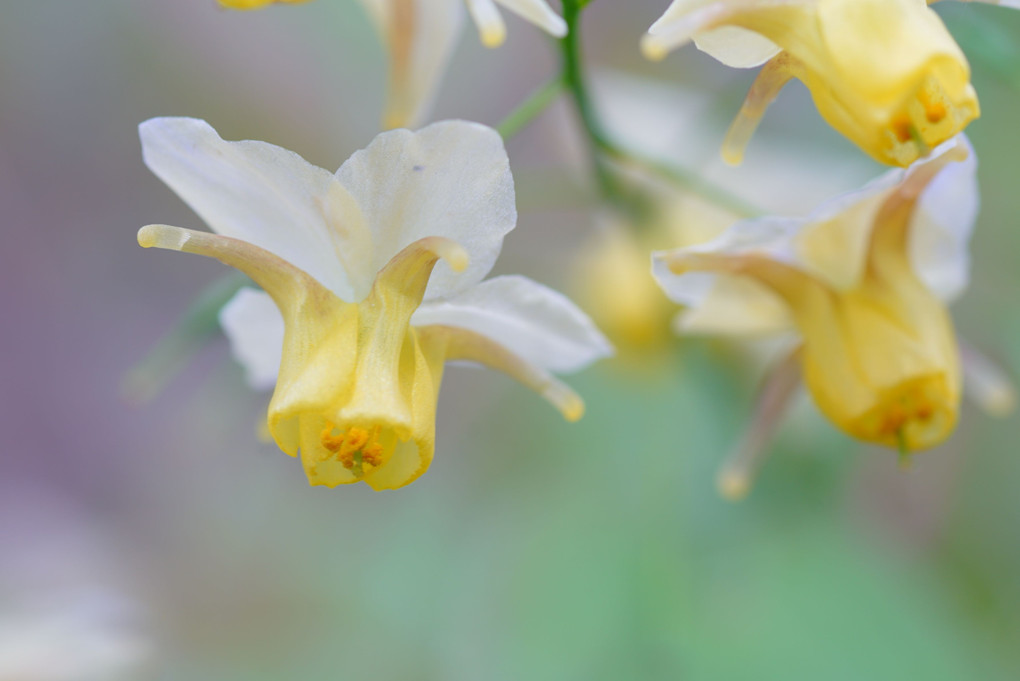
<point x="372" y="280"/>
<point x="863" y="282"/>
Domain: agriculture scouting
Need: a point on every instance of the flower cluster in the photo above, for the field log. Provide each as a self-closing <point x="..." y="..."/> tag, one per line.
<point x="371" y="278"/>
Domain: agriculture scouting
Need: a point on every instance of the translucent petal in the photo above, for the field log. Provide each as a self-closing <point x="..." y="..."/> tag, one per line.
<point x="539" y="13"/>
<point x="539" y="325"/>
<point x="736" y="46"/>
<point x="451" y="179"/>
<point x="261" y="194"/>
<point x="420" y="36"/>
<point x="254" y="326"/>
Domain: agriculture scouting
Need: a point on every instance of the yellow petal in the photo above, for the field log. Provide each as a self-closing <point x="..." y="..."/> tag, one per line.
<point x="885" y="73"/>
<point x="356" y="394"/>
<point x="880" y="357"/>
<point x="461" y="344"/>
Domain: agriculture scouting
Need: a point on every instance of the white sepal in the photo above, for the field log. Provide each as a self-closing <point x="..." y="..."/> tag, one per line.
<point x="534" y="322"/>
<point x="256" y="192"/>
<point x="451" y="179"/>
<point x="254" y="326"/>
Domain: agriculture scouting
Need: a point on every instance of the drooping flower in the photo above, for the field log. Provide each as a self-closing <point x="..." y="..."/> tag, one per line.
<point x="420" y="36"/>
<point x="611" y="279"/>
<point x="359" y="314"/>
<point x="863" y="281"/>
<point x="884" y="73"/>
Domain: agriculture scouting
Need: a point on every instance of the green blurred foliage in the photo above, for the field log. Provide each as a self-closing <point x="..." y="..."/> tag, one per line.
<point x="533" y="549"/>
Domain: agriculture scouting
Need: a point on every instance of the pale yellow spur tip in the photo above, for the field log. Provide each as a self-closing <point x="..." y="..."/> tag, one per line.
<point x="162" y="236"/>
<point x="566" y="400"/>
<point x="455" y="255"/>
<point x="1000" y="401"/>
<point x="733" y="485"/>
<point x="732" y="157"/>
<point x="652" y="48"/>
<point x="493" y="36"/>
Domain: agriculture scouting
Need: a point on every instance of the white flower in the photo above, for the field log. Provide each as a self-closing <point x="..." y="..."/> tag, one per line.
<point x="863" y="281"/>
<point x="420" y="36"/>
<point x="348" y="260"/>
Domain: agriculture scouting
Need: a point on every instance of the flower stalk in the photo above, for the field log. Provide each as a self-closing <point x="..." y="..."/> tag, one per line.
<point x="604" y="149"/>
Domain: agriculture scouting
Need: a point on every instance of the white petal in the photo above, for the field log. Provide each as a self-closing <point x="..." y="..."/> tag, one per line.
<point x="539" y="325"/>
<point x="538" y="13"/>
<point x="737" y="47"/>
<point x="451" y="179"/>
<point x="259" y="193"/>
<point x="254" y="326"/>
<point x="427" y="41"/>
<point x="730" y="305"/>
<point x="491" y="27"/>
<point x="942" y="226"/>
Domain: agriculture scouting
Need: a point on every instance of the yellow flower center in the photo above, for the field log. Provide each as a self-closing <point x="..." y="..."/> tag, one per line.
<point x="916" y="414"/>
<point x="927" y="119"/>
<point x="356" y="449"/>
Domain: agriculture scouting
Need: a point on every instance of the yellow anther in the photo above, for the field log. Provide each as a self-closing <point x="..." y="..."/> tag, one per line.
<point x="356" y="438"/>
<point x="372" y="454"/>
<point x="352" y="449"/>
<point x="903" y="128"/>
<point x="935" y="112"/>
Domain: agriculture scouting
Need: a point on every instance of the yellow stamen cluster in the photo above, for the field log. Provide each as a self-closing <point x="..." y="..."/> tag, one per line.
<point x="356" y="449"/>
<point x="910" y="416"/>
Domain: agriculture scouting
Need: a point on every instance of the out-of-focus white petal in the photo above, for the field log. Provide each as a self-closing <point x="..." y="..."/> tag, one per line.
<point x="723" y="304"/>
<point x="736" y="46"/>
<point x="451" y="179"/>
<point x="539" y="13"/>
<point x="943" y="224"/>
<point x="254" y="326"/>
<point x="537" y="324"/>
<point x="420" y="40"/>
<point x="491" y="28"/>
<point x="260" y="193"/>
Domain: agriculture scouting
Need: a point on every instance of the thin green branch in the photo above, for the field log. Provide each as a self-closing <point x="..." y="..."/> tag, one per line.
<point x="603" y="148"/>
<point x="200" y="322"/>
<point x="573" y="77"/>
<point x="531" y="107"/>
<point x="688" y="179"/>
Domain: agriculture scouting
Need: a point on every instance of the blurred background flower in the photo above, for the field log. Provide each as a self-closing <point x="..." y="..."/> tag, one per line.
<point x="532" y="549"/>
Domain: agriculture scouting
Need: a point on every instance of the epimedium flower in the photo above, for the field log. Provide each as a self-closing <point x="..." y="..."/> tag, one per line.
<point x="372" y="279"/>
<point x="420" y="36"/>
<point x="884" y="73"/>
<point x="863" y="282"/>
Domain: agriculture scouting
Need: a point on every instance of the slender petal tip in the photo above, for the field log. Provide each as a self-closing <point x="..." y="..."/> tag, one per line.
<point x="455" y="255"/>
<point x="731" y="155"/>
<point x="558" y="29"/>
<point x="163" y="236"/>
<point x="566" y="400"/>
<point x="999" y="401"/>
<point x="733" y="485"/>
<point x="652" y="48"/>
<point x="493" y="35"/>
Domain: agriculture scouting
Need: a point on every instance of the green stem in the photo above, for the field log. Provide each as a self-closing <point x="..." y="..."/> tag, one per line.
<point x="200" y="322"/>
<point x="573" y="77"/>
<point x="530" y="108"/>
<point x="689" y="180"/>
<point x="603" y="148"/>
